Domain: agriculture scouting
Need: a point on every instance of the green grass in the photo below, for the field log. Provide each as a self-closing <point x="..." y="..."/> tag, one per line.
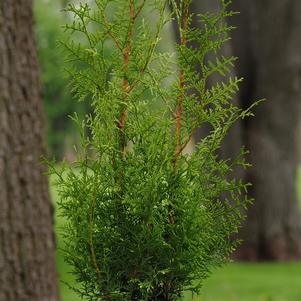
<point x="235" y="282"/>
<point x="254" y="282"/>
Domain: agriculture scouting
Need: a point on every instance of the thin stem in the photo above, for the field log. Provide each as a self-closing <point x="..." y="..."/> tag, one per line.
<point x="183" y="42"/>
<point x="139" y="9"/>
<point x="125" y="84"/>
<point x="106" y="294"/>
<point x="183" y="29"/>
<point x="151" y="49"/>
<point x="128" y="87"/>
<point x="107" y="25"/>
<point x="182" y="147"/>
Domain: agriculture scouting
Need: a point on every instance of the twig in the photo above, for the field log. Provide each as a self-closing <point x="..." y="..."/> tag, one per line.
<point x="181" y="85"/>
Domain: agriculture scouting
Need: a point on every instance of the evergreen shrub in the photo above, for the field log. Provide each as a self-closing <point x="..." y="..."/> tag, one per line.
<point x="145" y="221"/>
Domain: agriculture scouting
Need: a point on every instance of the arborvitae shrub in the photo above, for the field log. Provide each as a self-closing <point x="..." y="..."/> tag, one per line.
<point x="143" y="220"/>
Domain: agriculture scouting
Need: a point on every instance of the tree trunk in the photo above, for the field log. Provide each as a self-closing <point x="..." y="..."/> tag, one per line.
<point x="27" y="244"/>
<point x="268" y="42"/>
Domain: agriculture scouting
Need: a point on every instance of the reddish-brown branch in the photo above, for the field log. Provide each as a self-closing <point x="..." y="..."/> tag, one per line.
<point x="122" y="120"/>
<point x="178" y="150"/>
<point x="179" y="112"/>
<point x="181" y="85"/>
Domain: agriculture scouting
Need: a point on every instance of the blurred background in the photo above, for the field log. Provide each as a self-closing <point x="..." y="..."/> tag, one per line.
<point x="267" y="266"/>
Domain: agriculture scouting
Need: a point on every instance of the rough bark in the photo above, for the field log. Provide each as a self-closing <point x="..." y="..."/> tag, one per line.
<point x="268" y="42"/>
<point x="27" y="244"/>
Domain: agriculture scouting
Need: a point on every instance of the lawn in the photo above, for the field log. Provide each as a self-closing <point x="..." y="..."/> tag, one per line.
<point x="235" y="282"/>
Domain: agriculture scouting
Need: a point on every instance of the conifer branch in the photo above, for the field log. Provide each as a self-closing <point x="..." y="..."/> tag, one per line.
<point x="106" y="295"/>
<point x="188" y="138"/>
<point x="171" y="111"/>
<point x="125" y="84"/>
<point x="183" y="42"/>
<point x="109" y="32"/>
<point x="139" y="9"/>
<point x="151" y="50"/>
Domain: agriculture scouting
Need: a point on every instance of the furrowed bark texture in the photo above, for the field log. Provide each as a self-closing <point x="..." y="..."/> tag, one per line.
<point x="27" y="244"/>
<point x="268" y="43"/>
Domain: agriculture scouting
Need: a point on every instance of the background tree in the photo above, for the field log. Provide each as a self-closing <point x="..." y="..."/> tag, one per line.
<point x="271" y="64"/>
<point x="268" y="44"/>
<point x="27" y="244"/>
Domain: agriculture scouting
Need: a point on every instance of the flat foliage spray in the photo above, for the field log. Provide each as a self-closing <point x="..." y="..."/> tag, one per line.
<point x="144" y="221"/>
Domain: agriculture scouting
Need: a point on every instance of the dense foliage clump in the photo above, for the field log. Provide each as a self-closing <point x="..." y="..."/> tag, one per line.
<point x="144" y="220"/>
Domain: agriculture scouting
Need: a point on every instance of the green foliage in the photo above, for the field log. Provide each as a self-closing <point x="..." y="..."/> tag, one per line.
<point x="144" y="220"/>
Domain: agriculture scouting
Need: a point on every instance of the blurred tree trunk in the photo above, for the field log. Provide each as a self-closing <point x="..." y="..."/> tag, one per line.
<point x="268" y="44"/>
<point x="27" y="244"/>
